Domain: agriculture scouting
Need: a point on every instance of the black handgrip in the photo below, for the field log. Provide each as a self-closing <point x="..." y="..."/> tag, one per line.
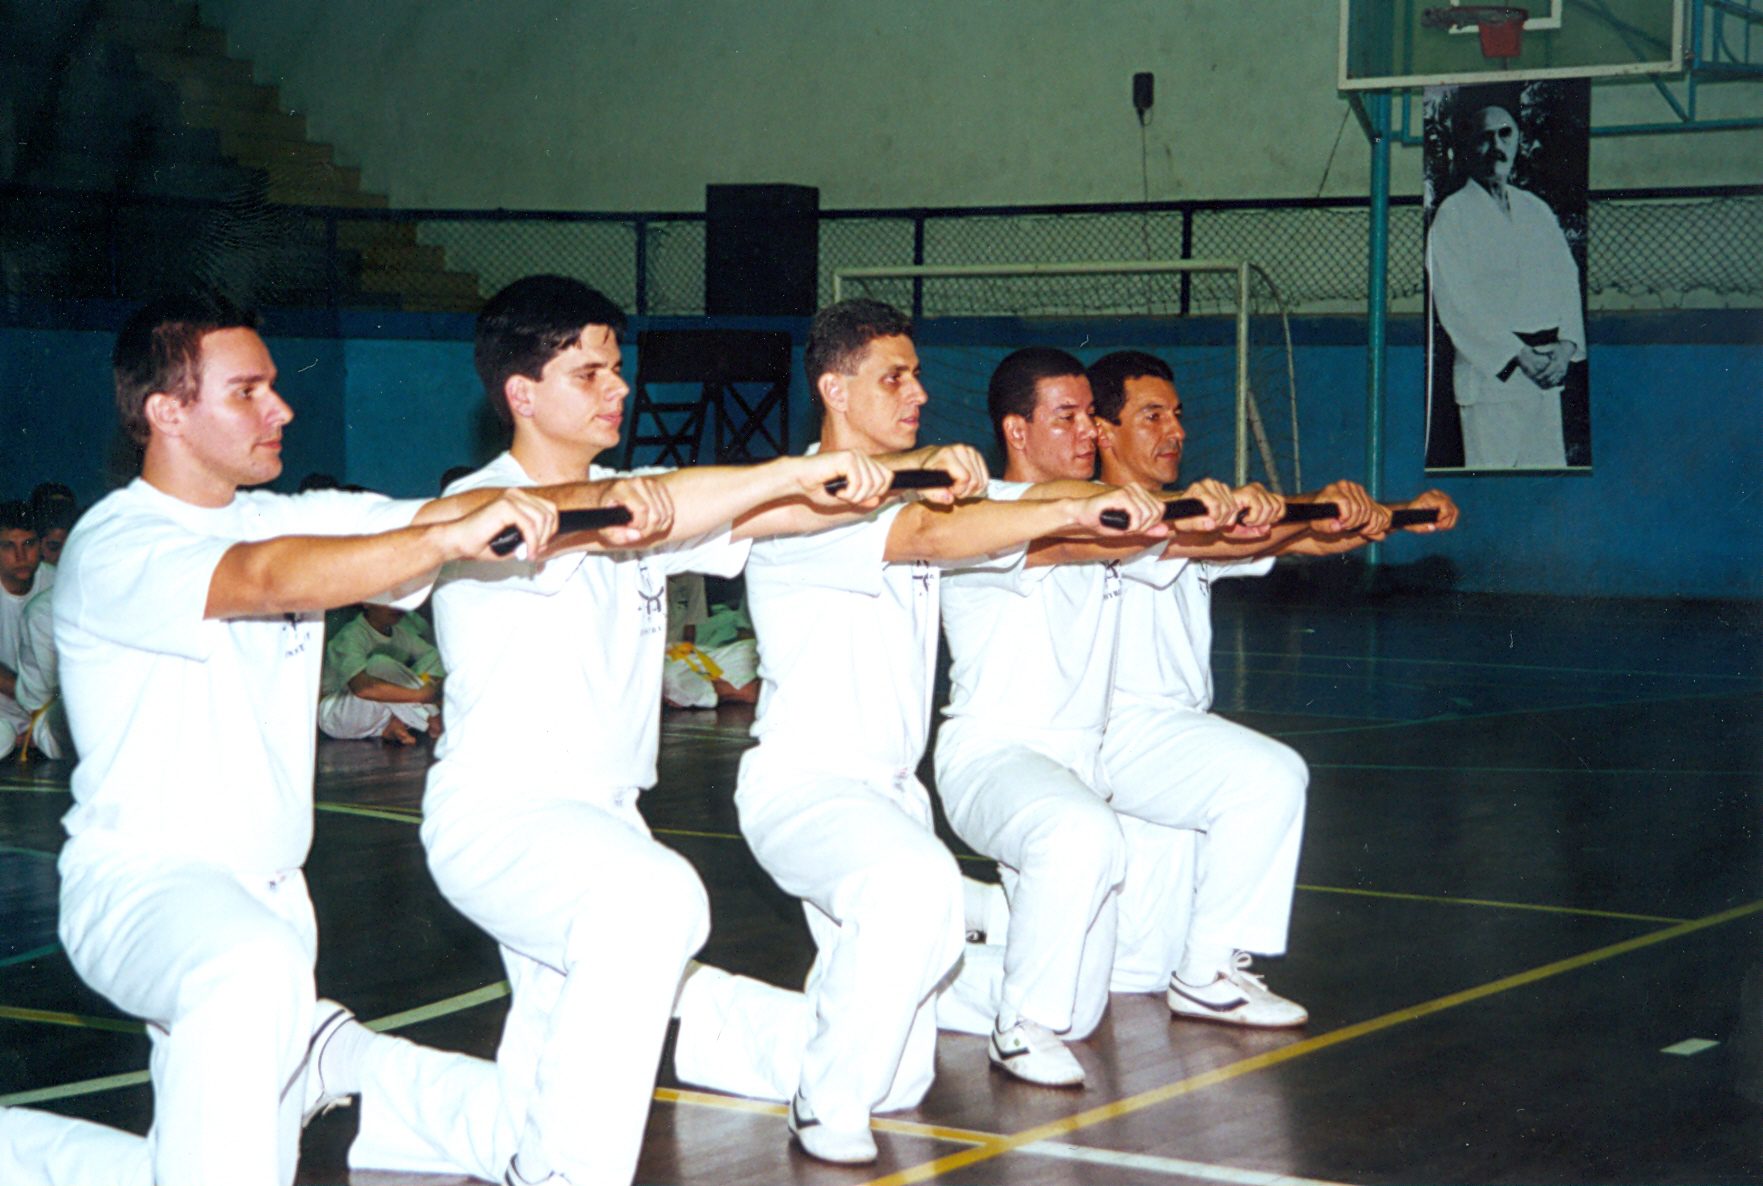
<point x="1310" y="512"/>
<point x="1175" y="508"/>
<point x="586" y="519"/>
<point x="1409" y="516"/>
<point x="906" y="479"/>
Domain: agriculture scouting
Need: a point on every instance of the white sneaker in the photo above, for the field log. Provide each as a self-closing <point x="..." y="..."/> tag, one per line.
<point x="331" y="1018"/>
<point x="1035" y="1054"/>
<point x="839" y="1146"/>
<point x="1236" y="996"/>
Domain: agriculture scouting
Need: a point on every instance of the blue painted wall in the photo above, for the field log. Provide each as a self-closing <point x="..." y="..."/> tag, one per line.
<point x="1671" y="508"/>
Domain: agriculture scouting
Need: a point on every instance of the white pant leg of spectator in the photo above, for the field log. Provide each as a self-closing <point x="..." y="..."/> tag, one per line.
<point x="739" y="661"/>
<point x="220" y="967"/>
<point x="1243" y="792"/>
<point x="1062" y="859"/>
<point x="883" y="902"/>
<point x="612" y="917"/>
<point x="347" y="717"/>
<point x="684" y="686"/>
<point x="44" y="1149"/>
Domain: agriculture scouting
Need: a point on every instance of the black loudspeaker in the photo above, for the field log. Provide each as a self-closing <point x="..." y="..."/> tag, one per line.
<point x="761" y="250"/>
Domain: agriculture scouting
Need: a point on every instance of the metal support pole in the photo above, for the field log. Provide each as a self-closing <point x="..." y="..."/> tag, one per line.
<point x="1377" y="299"/>
<point x="1242" y="372"/>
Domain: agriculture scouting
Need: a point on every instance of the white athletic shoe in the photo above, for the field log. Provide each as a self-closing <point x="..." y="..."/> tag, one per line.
<point x="839" y="1146"/>
<point x="331" y="1018"/>
<point x="1236" y="996"/>
<point x="1034" y="1054"/>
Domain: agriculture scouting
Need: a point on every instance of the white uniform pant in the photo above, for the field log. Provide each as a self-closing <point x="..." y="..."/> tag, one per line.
<point x="684" y="682"/>
<point x="1522" y="433"/>
<point x="596" y="921"/>
<point x="1035" y="810"/>
<point x="1217" y="820"/>
<point x="219" y="964"/>
<point x="883" y="901"/>
<point x="346" y="716"/>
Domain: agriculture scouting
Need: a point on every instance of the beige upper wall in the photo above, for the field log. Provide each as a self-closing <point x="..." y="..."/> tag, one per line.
<point x="576" y="104"/>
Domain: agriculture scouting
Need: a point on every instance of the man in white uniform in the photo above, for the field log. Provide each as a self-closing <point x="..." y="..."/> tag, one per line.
<point x="188" y="624"/>
<point x="1507" y="290"/>
<point x="1018" y="760"/>
<point x="22" y="576"/>
<point x="542" y="844"/>
<point x="382" y="678"/>
<point x="1212" y="812"/>
<point x="829" y="800"/>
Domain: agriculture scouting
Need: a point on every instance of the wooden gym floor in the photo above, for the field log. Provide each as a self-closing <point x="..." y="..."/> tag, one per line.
<point x="1529" y="928"/>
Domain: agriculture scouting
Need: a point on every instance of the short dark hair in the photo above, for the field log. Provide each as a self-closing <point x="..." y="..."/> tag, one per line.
<point x="529" y="323"/>
<point x="1012" y="389"/>
<point x="840" y="333"/>
<point x="159" y="348"/>
<point x="1109" y="375"/>
<point x="15" y="515"/>
<point x="54" y="514"/>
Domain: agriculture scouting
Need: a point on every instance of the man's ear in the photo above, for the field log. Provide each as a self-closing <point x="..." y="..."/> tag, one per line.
<point x="164" y="413"/>
<point x="833" y="392"/>
<point x="518" y="391"/>
<point x="1105" y="431"/>
<point x="1016" y="432"/>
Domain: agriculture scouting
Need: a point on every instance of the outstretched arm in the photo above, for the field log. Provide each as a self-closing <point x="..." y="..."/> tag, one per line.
<point x="306" y="573"/>
<point x="811" y="509"/>
<point x="980" y="528"/>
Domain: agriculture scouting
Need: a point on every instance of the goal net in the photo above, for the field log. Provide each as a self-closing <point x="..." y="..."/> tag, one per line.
<point x="1231" y="351"/>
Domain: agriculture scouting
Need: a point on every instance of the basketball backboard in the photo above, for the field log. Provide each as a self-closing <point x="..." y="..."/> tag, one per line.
<point x="1392" y="45"/>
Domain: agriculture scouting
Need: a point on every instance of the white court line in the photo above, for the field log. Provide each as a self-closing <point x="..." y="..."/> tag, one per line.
<point x="1173" y="1166"/>
<point x="1690" y="1046"/>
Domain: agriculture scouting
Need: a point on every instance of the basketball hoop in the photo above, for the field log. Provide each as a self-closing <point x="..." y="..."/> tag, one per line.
<point x="1501" y="27"/>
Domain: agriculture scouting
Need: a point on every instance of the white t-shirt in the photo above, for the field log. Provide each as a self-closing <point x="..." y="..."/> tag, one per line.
<point x="1033" y="648"/>
<point x="1166" y="633"/>
<point x="554" y="669"/>
<point x="195" y="735"/>
<point x="349" y="649"/>
<point x="847" y="645"/>
<point x="13" y="715"/>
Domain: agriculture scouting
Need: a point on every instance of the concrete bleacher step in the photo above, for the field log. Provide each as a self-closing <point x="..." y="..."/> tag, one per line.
<point x="260" y="123"/>
<point x="243" y="141"/>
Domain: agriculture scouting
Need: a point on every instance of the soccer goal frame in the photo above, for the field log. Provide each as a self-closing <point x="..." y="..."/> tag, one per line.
<point x="1249" y="425"/>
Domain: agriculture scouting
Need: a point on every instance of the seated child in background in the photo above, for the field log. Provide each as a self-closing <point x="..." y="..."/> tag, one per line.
<point x="711" y="653"/>
<point x="382" y="678"/>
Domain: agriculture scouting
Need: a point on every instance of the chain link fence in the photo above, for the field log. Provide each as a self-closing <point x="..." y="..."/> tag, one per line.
<point x="1659" y="249"/>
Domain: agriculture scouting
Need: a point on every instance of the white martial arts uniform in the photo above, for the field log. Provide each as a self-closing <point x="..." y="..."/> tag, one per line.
<point x="1213" y="813"/>
<point x="39" y="681"/>
<point x="1018" y="764"/>
<point x="1498" y="271"/>
<point x="831" y="805"/>
<point x="182" y="898"/>
<point x="15" y="719"/>
<point x="404" y="657"/>
<point x="531" y="825"/>
<point x="714" y="653"/>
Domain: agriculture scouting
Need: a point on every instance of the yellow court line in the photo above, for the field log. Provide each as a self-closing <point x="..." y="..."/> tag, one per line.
<point x="1169" y="1091"/>
<point x="396" y="814"/>
<point x="1450" y="901"/>
<point x="115" y="1025"/>
<point x="735" y="1103"/>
